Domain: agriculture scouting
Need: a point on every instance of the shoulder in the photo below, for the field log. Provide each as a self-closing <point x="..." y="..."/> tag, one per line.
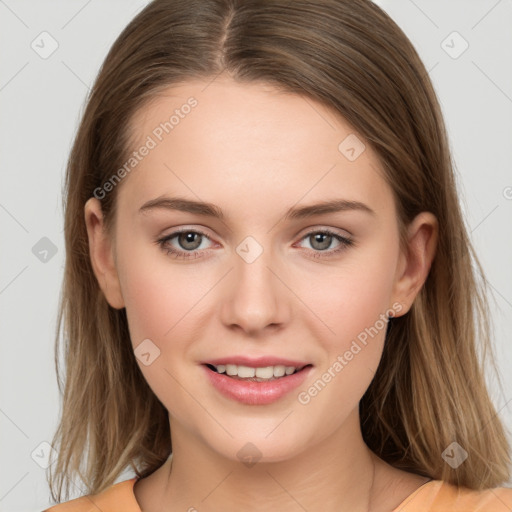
<point x="439" y="496"/>
<point x="116" y="498"/>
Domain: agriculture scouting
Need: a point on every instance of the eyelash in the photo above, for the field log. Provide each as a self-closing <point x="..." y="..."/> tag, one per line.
<point x="162" y="243"/>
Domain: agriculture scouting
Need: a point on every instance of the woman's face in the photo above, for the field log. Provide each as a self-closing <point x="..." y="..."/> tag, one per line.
<point x="265" y="279"/>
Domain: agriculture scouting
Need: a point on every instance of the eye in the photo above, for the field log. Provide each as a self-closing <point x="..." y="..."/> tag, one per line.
<point x="321" y="240"/>
<point x="188" y="241"/>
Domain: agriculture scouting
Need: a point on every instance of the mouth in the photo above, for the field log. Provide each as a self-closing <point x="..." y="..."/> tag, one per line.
<point x="257" y="385"/>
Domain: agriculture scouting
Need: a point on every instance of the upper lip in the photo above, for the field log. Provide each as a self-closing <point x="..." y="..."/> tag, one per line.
<point x="256" y="362"/>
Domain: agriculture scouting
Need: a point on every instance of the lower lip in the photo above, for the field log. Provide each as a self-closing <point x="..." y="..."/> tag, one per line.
<point x="256" y="393"/>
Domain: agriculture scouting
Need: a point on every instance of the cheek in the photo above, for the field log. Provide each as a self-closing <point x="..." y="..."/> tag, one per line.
<point x="164" y="302"/>
<point x="152" y="303"/>
<point x="353" y="300"/>
<point x="356" y="312"/>
<point x="159" y="294"/>
<point x="159" y="303"/>
<point x="354" y="296"/>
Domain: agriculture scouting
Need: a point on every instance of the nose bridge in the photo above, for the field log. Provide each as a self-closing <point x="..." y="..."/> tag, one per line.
<point x="255" y="297"/>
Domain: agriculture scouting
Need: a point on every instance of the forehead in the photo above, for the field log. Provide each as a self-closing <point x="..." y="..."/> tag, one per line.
<point x="229" y="142"/>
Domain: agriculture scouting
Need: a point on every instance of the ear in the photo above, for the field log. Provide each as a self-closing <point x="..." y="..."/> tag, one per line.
<point x="102" y="254"/>
<point x="415" y="261"/>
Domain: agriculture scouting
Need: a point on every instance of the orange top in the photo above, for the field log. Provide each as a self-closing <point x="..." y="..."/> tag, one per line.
<point x="433" y="496"/>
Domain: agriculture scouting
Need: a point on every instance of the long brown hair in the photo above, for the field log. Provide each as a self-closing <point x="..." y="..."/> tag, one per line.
<point x="429" y="389"/>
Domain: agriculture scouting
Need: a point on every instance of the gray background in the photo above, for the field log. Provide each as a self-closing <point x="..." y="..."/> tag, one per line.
<point x="41" y="101"/>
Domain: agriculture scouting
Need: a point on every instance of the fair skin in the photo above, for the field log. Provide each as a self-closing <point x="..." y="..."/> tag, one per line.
<point x="256" y="152"/>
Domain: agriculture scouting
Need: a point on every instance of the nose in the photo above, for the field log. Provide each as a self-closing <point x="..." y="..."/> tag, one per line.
<point x="255" y="299"/>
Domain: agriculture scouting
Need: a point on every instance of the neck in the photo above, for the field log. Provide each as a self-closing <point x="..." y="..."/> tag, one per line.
<point x="336" y="474"/>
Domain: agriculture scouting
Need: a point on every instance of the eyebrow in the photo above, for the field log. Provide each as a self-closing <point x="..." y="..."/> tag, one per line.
<point x="211" y="210"/>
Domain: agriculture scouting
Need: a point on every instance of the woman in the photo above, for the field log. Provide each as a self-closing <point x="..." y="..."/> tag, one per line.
<point x="269" y="296"/>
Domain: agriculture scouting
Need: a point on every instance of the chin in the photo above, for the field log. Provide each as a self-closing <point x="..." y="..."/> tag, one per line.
<point x="250" y="450"/>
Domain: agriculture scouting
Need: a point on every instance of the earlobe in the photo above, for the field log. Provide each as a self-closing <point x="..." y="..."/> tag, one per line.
<point x="415" y="262"/>
<point x="101" y="254"/>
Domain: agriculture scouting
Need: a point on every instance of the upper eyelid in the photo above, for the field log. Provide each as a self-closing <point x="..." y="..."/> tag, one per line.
<point x="308" y="230"/>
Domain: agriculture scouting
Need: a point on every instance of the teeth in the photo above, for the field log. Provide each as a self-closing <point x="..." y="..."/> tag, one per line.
<point x="246" y="372"/>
